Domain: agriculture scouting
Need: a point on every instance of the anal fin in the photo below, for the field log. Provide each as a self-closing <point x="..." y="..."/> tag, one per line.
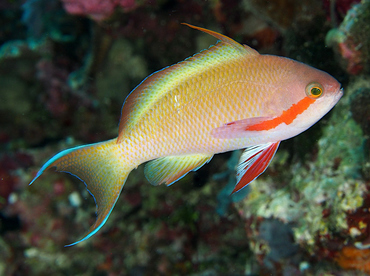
<point x="169" y="169"/>
<point x="253" y="162"/>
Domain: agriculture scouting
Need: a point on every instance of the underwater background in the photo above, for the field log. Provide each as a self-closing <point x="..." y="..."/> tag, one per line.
<point x="66" y="67"/>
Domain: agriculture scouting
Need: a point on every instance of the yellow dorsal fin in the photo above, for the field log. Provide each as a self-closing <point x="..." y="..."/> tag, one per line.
<point x="152" y="89"/>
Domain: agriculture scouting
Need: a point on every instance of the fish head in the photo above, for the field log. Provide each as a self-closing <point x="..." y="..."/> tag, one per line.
<point x="308" y="94"/>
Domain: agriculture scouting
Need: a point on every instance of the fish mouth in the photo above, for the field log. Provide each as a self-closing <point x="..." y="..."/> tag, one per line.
<point x="340" y="92"/>
<point x="338" y="95"/>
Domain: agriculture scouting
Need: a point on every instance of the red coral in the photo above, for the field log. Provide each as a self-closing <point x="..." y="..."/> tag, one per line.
<point x="339" y="8"/>
<point x="351" y="257"/>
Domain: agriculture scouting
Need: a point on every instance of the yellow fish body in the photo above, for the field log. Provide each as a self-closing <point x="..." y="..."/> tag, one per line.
<point x="225" y="98"/>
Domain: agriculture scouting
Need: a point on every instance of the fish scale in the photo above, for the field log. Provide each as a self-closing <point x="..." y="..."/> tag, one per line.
<point x="224" y="98"/>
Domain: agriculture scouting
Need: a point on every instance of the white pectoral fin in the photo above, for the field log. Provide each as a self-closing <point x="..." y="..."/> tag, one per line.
<point x="254" y="162"/>
<point x="238" y="129"/>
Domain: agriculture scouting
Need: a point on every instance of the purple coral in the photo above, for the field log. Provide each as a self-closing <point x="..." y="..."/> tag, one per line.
<point x="98" y="10"/>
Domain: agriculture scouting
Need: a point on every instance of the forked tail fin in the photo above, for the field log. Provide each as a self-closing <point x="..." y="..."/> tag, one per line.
<point x="102" y="168"/>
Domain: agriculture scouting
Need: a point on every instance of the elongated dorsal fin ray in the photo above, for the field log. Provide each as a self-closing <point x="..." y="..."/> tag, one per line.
<point x="169" y="169"/>
<point x="253" y="162"/>
<point x="152" y="89"/>
<point x="243" y="48"/>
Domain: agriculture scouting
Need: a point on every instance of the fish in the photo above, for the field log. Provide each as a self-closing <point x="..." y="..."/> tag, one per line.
<point x="224" y="98"/>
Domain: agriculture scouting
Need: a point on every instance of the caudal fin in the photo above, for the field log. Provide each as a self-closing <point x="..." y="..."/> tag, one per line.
<point x="102" y="170"/>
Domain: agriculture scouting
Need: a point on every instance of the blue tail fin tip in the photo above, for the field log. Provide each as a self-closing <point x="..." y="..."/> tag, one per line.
<point x="96" y="229"/>
<point x="56" y="157"/>
<point x="102" y="218"/>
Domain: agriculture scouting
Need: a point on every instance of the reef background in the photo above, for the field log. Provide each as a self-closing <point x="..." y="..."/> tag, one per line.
<point x="65" y="70"/>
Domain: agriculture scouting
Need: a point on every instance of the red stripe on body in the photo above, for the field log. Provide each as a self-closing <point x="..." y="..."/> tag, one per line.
<point x="286" y="117"/>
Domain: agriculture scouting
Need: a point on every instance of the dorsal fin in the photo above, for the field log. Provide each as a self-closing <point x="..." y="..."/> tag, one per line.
<point x="155" y="86"/>
<point x="225" y="39"/>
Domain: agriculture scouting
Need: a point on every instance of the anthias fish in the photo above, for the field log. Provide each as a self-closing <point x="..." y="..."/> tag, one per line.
<point x="225" y="98"/>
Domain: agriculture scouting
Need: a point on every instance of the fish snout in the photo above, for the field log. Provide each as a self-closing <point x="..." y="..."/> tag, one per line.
<point x="339" y="94"/>
<point x="335" y="97"/>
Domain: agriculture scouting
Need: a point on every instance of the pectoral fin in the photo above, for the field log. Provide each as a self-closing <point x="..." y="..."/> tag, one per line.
<point x="253" y="162"/>
<point x="169" y="169"/>
<point x="238" y="129"/>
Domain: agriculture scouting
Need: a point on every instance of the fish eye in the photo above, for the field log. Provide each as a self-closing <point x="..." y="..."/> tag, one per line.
<point x="314" y="90"/>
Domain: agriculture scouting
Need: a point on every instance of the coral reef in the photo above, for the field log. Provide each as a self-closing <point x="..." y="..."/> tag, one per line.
<point x="350" y="39"/>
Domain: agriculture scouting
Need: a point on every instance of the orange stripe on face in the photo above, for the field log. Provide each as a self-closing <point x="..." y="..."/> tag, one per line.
<point x="286" y="117"/>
